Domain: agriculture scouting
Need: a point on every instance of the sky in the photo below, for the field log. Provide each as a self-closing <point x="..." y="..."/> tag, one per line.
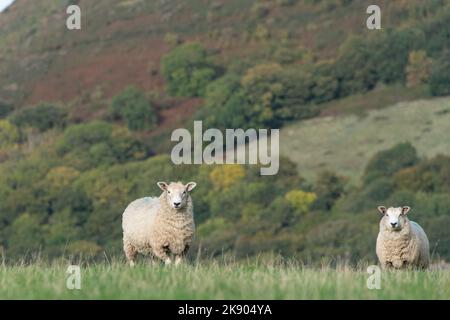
<point x="4" y="4"/>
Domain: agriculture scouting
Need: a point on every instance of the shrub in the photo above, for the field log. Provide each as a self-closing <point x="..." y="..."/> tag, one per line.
<point x="390" y="53"/>
<point x="440" y="76"/>
<point x="428" y="176"/>
<point x="224" y="176"/>
<point x="300" y="200"/>
<point x="188" y="69"/>
<point x="97" y="143"/>
<point x="354" y="69"/>
<point x="5" y="108"/>
<point x="418" y="68"/>
<point x="42" y="117"/>
<point x="26" y="235"/>
<point x="9" y="134"/>
<point x="388" y="162"/>
<point x="132" y="106"/>
<point x="329" y="188"/>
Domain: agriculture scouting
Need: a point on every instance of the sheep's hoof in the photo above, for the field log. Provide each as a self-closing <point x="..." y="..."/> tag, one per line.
<point x="178" y="261"/>
<point x="168" y="262"/>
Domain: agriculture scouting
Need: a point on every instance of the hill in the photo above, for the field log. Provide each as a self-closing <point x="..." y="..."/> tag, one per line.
<point x="86" y="117"/>
<point x="345" y="144"/>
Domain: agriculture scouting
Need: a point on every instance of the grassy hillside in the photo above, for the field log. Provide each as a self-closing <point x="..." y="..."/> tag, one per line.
<point x="345" y="144"/>
<point x="218" y="281"/>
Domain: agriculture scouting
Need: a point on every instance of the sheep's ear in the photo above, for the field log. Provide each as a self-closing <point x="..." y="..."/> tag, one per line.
<point x="162" y="185"/>
<point x="382" y="209"/>
<point x="190" y="186"/>
<point x="405" y="209"/>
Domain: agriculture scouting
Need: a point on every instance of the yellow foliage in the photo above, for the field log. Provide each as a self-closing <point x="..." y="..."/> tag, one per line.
<point x="300" y="200"/>
<point x="262" y="71"/>
<point x="224" y="176"/>
<point x="9" y="134"/>
<point x="418" y="68"/>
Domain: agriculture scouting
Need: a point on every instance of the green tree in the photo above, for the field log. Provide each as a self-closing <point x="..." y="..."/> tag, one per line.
<point x="440" y="76"/>
<point x="386" y="163"/>
<point x="188" y="69"/>
<point x="98" y="143"/>
<point x="5" y="108"/>
<point x="132" y="105"/>
<point x="42" y="117"/>
<point x="25" y="235"/>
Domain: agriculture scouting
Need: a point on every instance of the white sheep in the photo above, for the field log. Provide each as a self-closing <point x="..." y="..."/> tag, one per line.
<point x="401" y="243"/>
<point x="162" y="227"/>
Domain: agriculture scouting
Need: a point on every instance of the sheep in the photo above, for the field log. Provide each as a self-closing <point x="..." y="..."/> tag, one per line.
<point x="401" y="243"/>
<point x="162" y="227"/>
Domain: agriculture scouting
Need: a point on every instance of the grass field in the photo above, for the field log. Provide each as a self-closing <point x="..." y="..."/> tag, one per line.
<point x="212" y="280"/>
<point x="344" y="144"/>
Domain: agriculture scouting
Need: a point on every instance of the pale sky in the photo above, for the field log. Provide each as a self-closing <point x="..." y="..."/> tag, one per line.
<point x="4" y="4"/>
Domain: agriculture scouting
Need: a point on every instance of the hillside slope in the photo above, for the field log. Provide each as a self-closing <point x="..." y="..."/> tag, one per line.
<point x="121" y="42"/>
<point x="345" y="144"/>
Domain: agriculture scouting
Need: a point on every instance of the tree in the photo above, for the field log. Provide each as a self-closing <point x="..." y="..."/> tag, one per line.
<point x="418" y="68"/>
<point x="440" y="76"/>
<point x="9" y="134"/>
<point x="300" y="200"/>
<point x="329" y="188"/>
<point x="5" y="108"/>
<point x="188" y="70"/>
<point x="388" y="162"/>
<point x="42" y="117"/>
<point x="132" y="105"/>
<point x="98" y="143"/>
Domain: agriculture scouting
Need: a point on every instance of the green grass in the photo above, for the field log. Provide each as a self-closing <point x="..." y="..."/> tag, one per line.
<point x="345" y="144"/>
<point x="212" y="280"/>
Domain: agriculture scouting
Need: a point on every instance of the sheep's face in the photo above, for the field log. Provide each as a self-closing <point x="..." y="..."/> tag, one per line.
<point x="394" y="218"/>
<point x="177" y="193"/>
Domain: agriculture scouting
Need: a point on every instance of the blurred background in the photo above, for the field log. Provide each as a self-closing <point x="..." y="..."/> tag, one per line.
<point x="86" y="118"/>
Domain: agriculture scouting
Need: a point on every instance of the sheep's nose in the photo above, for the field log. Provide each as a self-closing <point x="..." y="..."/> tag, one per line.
<point x="176" y="204"/>
<point x="393" y="224"/>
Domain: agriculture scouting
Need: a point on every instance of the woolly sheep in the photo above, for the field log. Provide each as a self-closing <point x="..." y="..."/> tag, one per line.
<point x="401" y="243"/>
<point x="162" y="227"/>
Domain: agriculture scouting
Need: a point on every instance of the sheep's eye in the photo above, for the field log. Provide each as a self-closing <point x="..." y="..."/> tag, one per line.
<point x="168" y="192"/>
<point x="184" y="192"/>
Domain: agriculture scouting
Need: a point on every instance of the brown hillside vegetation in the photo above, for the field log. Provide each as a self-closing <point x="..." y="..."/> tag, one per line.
<point x="121" y="42"/>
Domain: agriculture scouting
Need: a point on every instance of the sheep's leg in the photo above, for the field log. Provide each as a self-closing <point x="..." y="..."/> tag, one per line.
<point x="130" y="252"/>
<point x="179" y="258"/>
<point x="163" y="254"/>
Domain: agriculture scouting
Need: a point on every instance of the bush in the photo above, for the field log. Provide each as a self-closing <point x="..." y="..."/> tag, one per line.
<point x="98" y="143"/>
<point x="9" y="134"/>
<point x="440" y="76"/>
<point x="132" y="106"/>
<point x="388" y="162"/>
<point x="5" y="108"/>
<point x="390" y="53"/>
<point x="42" y="117"/>
<point x="418" y="68"/>
<point x="26" y="235"/>
<point x="329" y="188"/>
<point x="188" y="69"/>
<point x="300" y="200"/>
<point x="354" y="68"/>
<point x="428" y="176"/>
